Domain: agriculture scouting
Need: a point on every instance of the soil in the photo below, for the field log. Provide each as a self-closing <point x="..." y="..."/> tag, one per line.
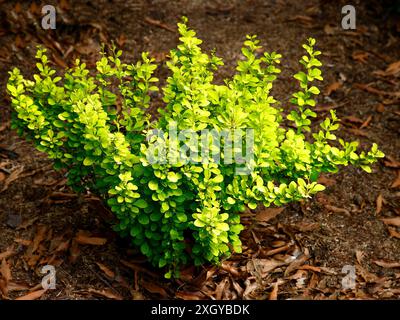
<point x="300" y="253"/>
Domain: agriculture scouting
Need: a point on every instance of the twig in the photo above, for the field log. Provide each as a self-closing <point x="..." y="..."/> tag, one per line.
<point x="159" y="24"/>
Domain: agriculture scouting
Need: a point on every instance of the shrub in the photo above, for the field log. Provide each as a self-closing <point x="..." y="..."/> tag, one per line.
<point x="95" y="125"/>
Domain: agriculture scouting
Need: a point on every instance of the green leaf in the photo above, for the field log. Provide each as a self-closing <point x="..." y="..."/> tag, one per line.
<point x="162" y="262"/>
<point x="199" y="224"/>
<point x="172" y="177"/>
<point x="135" y="230"/>
<point x="314" y="90"/>
<point x="164" y="206"/>
<point x="218" y="179"/>
<point x="155" y="216"/>
<point x="223" y="226"/>
<point x="141" y="203"/>
<point x="182" y="217"/>
<point x="317" y="188"/>
<point x="366" y="168"/>
<point x="252" y="205"/>
<point x="143" y="219"/>
<point x="301" y="76"/>
<point x="88" y="161"/>
<point x="153" y="185"/>
<point x="145" y="249"/>
<point x="59" y="123"/>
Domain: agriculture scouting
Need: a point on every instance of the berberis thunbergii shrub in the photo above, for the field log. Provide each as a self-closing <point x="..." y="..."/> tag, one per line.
<point x="178" y="184"/>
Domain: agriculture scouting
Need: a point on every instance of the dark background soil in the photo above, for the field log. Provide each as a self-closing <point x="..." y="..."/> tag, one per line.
<point x="40" y="217"/>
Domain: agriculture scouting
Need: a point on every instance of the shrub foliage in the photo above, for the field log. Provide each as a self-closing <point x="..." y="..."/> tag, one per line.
<point x="95" y="124"/>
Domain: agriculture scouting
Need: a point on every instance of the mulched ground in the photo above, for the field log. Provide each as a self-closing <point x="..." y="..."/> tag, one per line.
<point x="296" y="252"/>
